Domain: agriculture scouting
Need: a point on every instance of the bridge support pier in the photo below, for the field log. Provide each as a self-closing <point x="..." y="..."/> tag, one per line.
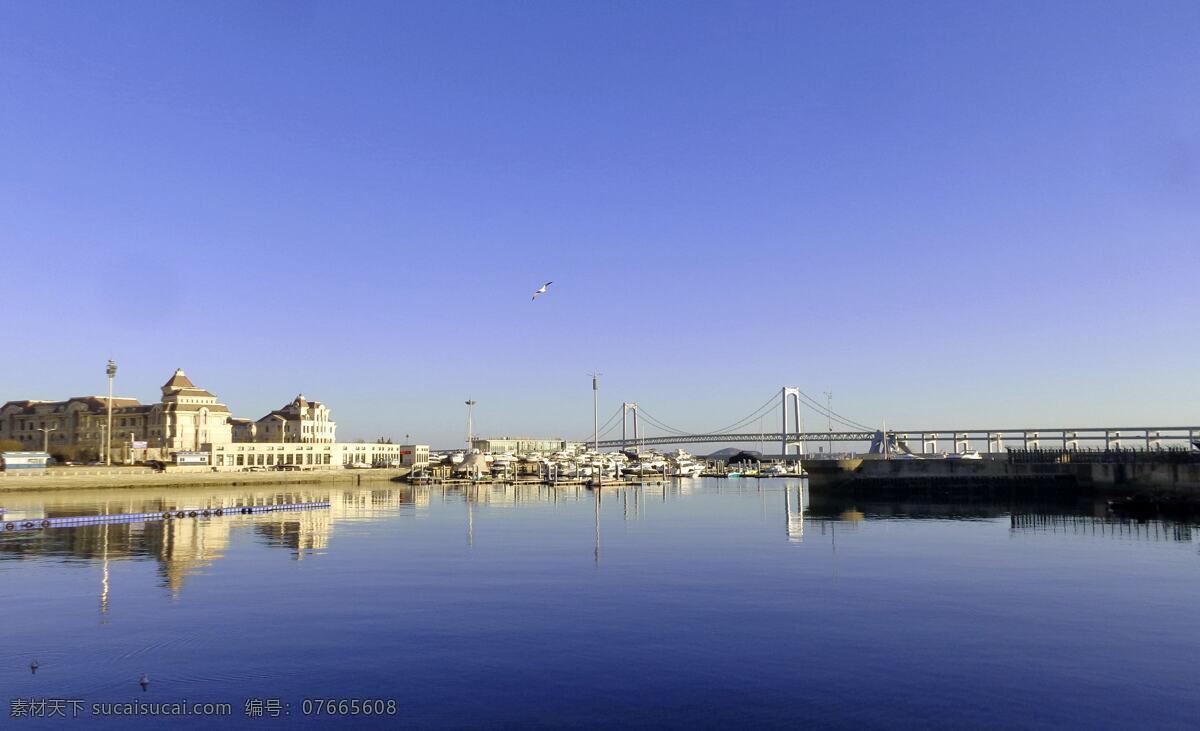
<point x="997" y="439"/>
<point x="1030" y="440"/>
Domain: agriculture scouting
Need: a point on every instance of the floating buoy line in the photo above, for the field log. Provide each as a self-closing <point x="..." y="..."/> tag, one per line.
<point x="180" y="514"/>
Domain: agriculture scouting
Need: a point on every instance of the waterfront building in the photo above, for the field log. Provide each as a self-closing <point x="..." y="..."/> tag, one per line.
<point x="191" y="418"/>
<point x="242" y="430"/>
<point x="317" y="455"/>
<point x="73" y="428"/>
<point x="414" y="455"/>
<point x="185" y="418"/>
<point x="525" y="445"/>
<point x="298" y="421"/>
<point x="189" y="421"/>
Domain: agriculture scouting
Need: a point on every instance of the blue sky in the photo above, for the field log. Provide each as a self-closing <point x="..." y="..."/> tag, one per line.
<point x="950" y="214"/>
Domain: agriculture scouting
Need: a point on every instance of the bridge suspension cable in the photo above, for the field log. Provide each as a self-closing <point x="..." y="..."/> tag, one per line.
<point x="767" y="407"/>
<point x="610" y="429"/>
<point x="835" y="416"/>
<point x="653" y="421"/>
<point x="605" y="428"/>
<point x="770" y="406"/>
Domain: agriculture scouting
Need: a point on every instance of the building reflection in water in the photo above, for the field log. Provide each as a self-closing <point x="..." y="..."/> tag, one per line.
<point x="185" y="547"/>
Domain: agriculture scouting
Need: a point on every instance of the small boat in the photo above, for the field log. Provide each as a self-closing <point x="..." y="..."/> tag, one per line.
<point x="964" y="455"/>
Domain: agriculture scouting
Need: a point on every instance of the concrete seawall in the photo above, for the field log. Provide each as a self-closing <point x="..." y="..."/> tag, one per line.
<point x="127" y="477"/>
<point x="1181" y="479"/>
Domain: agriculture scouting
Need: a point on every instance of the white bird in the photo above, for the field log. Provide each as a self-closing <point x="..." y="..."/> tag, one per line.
<point x="542" y="289"/>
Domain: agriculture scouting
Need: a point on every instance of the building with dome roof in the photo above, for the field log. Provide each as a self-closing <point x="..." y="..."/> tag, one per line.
<point x="299" y="421"/>
<point x="186" y="418"/>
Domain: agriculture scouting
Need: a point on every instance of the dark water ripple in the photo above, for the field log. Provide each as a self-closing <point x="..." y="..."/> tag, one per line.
<point x="704" y="604"/>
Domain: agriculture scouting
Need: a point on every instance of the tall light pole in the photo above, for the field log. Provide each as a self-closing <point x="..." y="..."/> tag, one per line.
<point x="829" y="415"/>
<point x="596" y="411"/>
<point x="470" y="424"/>
<point x="46" y="436"/>
<point x="111" y="370"/>
<point x="599" y="469"/>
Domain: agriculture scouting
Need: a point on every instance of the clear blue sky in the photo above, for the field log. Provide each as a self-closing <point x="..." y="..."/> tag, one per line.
<point x="952" y="214"/>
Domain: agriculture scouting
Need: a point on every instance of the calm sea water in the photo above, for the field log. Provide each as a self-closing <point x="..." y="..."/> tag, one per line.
<point x="705" y="604"/>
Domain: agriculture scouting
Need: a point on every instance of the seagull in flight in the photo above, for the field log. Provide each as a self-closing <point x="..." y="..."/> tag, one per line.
<point x="541" y="290"/>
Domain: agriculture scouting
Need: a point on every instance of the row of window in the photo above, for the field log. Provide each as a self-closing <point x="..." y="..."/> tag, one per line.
<point x="267" y="460"/>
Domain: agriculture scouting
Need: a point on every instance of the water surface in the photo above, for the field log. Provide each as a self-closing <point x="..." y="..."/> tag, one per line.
<point x="707" y="603"/>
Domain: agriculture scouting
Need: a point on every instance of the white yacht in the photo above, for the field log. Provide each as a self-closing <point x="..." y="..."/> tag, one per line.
<point x="683" y="464"/>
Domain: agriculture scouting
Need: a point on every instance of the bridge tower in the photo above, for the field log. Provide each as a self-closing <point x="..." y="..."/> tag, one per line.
<point x="794" y="393"/>
<point x="625" y="409"/>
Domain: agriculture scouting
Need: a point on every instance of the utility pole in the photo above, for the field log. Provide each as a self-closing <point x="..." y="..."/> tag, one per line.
<point x="111" y="370"/>
<point x="470" y="423"/>
<point x="596" y="426"/>
<point x="596" y="411"/>
<point x="46" y="437"/>
<point x="829" y="415"/>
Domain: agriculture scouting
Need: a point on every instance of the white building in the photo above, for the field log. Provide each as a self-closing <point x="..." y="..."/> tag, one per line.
<point x="316" y="455"/>
<point x="525" y="445"/>
<point x="300" y="421"/>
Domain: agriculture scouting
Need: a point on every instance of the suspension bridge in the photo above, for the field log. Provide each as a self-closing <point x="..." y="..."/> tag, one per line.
<point x="790" y="403"/>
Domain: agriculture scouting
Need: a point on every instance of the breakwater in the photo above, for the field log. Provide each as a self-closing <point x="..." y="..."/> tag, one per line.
<point x="1119" y="475"/>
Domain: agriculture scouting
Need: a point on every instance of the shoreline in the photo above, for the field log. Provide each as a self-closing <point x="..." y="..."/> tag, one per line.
<point x="139" y="479"/>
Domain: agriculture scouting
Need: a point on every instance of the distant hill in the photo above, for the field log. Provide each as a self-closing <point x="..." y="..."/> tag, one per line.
<point x="730" y="452"/>
<point x="723" y="453"/>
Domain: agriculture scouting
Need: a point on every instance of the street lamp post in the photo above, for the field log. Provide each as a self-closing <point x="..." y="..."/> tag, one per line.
<point x="829" y="417"/>
<point x="470" y="424"/>
<point x="596" y="426"/>
<point x="111" y="370"/>
<point x="46" y="437"/>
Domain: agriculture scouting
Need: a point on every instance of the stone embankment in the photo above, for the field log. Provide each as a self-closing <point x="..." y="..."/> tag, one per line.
<point x="1166" y="477"/>
<point x="67" y="478"/>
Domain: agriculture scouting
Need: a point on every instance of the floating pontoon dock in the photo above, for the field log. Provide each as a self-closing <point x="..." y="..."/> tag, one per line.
<point x="82" y="520"/>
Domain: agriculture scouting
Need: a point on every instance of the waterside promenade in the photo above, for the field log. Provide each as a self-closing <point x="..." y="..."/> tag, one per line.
<point x="86" y="478"/>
